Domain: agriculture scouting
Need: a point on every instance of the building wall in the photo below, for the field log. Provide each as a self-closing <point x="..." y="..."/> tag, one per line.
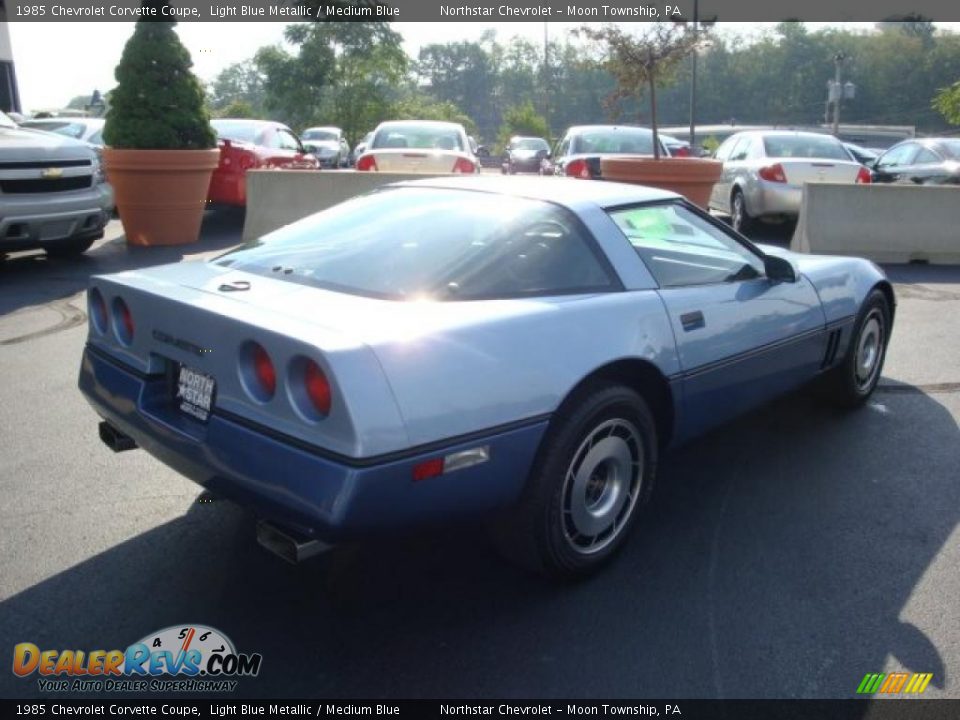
<point x="9" y="96"/>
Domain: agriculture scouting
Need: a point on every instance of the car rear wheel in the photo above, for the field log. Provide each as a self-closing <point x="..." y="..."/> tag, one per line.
<point x="594" y="471"/>
<point x="851" y="383"/>
<point x="740" y="219"/>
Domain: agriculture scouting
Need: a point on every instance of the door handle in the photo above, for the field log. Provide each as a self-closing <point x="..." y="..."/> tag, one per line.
<point x="692" y="320"/>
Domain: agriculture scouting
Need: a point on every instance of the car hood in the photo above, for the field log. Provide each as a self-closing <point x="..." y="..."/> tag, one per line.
<point x="20" y="144"/>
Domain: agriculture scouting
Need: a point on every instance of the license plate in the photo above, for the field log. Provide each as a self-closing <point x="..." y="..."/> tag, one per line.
<point x="56" y="230"/>
<point x="195" y="392"/>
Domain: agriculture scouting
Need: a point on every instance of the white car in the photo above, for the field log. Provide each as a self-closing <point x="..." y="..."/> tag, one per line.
<point x="764" y="172"/>
<point x="89" y="130"/>
<point x="419" y="146"/>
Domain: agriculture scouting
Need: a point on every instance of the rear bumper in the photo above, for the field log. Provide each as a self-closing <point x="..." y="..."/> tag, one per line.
<point x="769" y="198"/>
<point x="31" y="221"/>
<point x="302" y="487"/>
<point x="228" y="188"/>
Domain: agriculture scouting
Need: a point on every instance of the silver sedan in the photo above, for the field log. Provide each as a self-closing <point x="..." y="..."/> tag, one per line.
<point x="764" y="172"/>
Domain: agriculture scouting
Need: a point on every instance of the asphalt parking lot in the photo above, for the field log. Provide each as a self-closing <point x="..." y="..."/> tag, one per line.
<point x="786" y="555"/>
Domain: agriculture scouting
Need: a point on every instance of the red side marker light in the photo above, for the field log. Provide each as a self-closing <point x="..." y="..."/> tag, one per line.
<point x="428" y="469"/>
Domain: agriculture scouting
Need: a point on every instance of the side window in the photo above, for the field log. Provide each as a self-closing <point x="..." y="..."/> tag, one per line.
<point x="563" y="148"/>
<point x="926" y="157"/>
<point x="287" y="141"/>
<point x="270" y="139"/>
<point x="723" y="152"/>
<point x="681" y="249"/>
<point x="900" y="155"/>
<point x="740" y="151"/>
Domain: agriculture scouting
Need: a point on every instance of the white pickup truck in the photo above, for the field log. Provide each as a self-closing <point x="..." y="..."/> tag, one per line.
<point x="53" y="194"/>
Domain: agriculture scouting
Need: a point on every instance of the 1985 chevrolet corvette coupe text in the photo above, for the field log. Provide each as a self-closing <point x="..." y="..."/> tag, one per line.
<point x="520" y="348"/>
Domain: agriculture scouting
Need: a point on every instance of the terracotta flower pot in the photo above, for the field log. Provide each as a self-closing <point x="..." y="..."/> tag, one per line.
<point x="691" y="177"/>
<point x="160" y="194"/>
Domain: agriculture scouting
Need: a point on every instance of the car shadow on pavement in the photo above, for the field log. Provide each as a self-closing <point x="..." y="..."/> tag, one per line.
<point x="925" y="274"/>
<point x="28" y="279"/>
<point x="783" y="556"/>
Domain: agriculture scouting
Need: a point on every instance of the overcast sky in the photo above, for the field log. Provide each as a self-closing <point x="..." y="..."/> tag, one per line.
<point x="57" y="61"/>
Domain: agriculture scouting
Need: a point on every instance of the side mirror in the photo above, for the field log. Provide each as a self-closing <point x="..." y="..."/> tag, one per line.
<point x="778" y="269"/>
<point x="549" y="155"/>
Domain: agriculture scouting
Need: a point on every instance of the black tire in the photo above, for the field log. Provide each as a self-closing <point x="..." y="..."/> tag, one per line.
<point x="850" y="384"/>
<point x="580" y="484"/>
<point x="71" y="247"/>
<point x="740" y="219"/>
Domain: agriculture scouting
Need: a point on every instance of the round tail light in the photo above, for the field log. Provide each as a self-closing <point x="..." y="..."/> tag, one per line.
<point x="98" y="310"/>
<point x="123" y="321"/>
<point x="317" y="387"/>
<point x="264" y="371"/>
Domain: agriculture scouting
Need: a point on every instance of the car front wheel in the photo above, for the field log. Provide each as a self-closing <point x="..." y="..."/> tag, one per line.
<point x="594" y="470"/>
<point x="852" y="382"/>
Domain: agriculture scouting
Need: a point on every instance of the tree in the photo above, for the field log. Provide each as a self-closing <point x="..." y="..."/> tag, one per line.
<point x="237" y="109"/>
<point x="240" y="82"/>
<point x="417" y="105"/>
<point x="640" y="62"/>
<point x="463" y="73"/>
<point x="341" y="73"/>
<point x="947" y="102"/>
<point x="158" y="103"/>
<point x="522" y="120"/>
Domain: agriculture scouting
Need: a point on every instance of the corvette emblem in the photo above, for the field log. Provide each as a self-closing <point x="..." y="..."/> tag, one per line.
<point x="51" y="173"/>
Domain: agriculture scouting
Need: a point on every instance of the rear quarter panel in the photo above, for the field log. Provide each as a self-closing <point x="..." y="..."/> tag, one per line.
<point x="516" y="359"/>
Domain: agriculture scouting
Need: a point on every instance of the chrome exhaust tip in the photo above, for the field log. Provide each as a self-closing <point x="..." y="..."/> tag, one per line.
<point x="114" y="439"/>
<point x="288" y="545"/>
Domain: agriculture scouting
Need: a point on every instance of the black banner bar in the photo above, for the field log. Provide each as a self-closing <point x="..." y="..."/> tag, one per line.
<point x="887" y="709"/>
<point x="487" y="11"/>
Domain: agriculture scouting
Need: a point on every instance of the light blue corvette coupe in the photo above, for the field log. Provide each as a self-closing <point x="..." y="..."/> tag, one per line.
<point x="517" y="348"/>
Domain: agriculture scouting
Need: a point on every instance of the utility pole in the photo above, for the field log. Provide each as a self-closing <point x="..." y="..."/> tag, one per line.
<point x="693" y="77"/>
<point x="838" y="96"/>
<point x="546" y="78"/>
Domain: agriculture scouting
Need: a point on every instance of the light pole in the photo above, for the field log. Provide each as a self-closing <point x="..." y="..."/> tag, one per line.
<point x="693" y="76"/>
<point x="546" y="77"/>
<point x="695" y="26"/>
<point x="837" y="90"/>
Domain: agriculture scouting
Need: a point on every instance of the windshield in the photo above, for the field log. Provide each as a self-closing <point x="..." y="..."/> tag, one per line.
<point x="635" y="141"/>
<point x="425" y="243"/>
<point x="65" y="127"/>
<point x="804" y="146"/>
<point x="6" y="122"/>
<point x="423" y="137"/>
<point x="530" y="144"/>
<point x="235" y="130"/>
<point x="320" y="135"/>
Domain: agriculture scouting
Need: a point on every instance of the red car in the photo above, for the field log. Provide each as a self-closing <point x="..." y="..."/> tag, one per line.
<point x="249" y="145"/>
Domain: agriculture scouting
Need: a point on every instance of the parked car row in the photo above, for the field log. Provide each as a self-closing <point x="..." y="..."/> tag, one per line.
<point x="763" y="170"/>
